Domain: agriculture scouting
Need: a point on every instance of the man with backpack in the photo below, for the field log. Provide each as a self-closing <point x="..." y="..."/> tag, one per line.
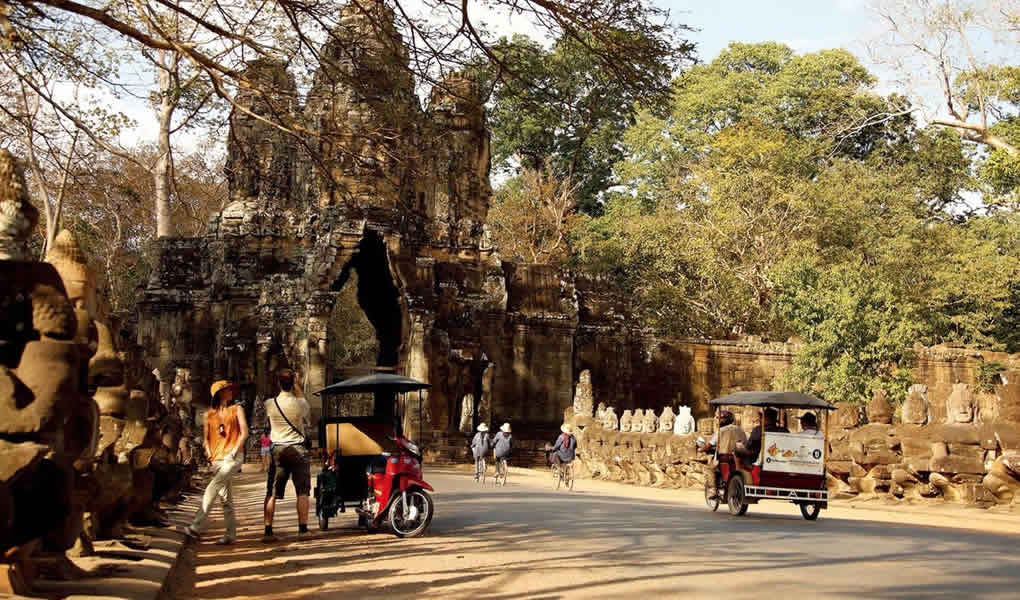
<point x="288" y="416"/>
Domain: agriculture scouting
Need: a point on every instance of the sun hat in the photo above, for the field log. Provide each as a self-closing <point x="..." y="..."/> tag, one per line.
<point x="218" y="387"/>
<point x="483" y="427"/>
<point x="567" y="428"/>
<point x="505" y="428"/>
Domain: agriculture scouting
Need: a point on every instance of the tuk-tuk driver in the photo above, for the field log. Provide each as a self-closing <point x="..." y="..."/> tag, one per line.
<point x="729" y="436"/>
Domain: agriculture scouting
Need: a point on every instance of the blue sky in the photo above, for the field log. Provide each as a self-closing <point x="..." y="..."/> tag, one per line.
<point x="805" y="26"/>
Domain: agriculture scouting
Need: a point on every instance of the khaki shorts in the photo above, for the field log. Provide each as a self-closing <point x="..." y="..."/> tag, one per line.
<point x="289" y="461"/>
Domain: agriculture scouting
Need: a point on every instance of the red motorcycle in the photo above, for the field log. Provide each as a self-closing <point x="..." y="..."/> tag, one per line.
<point x="370" y="464"/>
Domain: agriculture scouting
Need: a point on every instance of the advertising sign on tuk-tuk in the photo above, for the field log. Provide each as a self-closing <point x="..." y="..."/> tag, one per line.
<point x="794" y="453"/>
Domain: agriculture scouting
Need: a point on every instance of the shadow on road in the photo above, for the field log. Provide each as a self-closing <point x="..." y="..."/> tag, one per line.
<point x="526" y="541"/>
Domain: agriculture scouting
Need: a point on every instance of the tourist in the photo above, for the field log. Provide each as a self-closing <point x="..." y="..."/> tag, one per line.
<point x="288" y="415"/>
<point x="225" y="433"/>
<point x="753" y="447"/>
<point x="480" y="446"/>
<point x="565" y="448"/>
<point x="502" y="444"/>
<point x="809" y="424"/>
<point x="267" y="445"/>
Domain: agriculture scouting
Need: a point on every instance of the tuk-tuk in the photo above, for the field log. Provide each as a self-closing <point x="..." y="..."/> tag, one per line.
<point x="368" y="463"/>
<point x="788" y="466"/>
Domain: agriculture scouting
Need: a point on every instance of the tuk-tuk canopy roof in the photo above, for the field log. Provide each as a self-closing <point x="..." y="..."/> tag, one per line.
<point x="776" y="399"/>
<point x="375" y="382"/>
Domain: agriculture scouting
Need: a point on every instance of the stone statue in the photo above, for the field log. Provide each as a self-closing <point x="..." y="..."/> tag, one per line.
<point x="583" y="400"/>
<point x="685" y="423"/>
<point x="879" y="410"/>
<point x="600" y="412"/>
<point x="915" y="407"/>
<point x="960" y="406"/>
<point x="1003" y="478"/>
<point x="651" y="422"/>
<point x="611" y="422"/>
<point x="637" y="421"/>
<point x="40" y="391"/>
<point x="467" y="410"/>
<point x="180" y="391"/>
<point x="847" y="415"/>
<point x="625" y="420"/>
<point x="666" y="420"/>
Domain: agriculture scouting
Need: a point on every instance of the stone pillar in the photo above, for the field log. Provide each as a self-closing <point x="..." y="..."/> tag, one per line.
<point x="417" y="366"/>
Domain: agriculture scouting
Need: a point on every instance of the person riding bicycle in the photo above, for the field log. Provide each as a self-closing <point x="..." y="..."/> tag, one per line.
<point x="502" y="446"/>
<point x="564" y="449"/>
<point x="480" y="446"/>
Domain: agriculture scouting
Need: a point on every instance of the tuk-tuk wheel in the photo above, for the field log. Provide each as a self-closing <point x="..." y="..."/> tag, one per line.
<point x="323" y="523"/>
<point x="810" y="511"/>
<point x="711" y="494"/>
<point x="735" y="496"/>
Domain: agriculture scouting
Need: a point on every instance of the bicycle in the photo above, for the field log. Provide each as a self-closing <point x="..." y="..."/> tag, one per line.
<point x="565" y="476"/>
<point x="480" y="470"/>
<point x="502" y="470"/>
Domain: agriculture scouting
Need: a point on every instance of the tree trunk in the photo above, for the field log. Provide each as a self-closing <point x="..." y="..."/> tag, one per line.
<point x="161" y="171"/>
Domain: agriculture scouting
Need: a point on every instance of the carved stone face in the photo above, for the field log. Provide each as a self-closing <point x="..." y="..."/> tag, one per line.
<point x="585" y="377"/>
<point x="611" y="422"/>
<point x="879" y="410"/>
<point x="666" y="419"/>
<point x="960" y="406"/>
<point x="625" y="420"/>
<point x="684" y="421"/>
<point x="915" y="407"/>
<point x="106" y="375"/>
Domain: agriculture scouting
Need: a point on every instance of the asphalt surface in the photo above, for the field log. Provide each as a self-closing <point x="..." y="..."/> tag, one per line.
<point x="527" y="540"/>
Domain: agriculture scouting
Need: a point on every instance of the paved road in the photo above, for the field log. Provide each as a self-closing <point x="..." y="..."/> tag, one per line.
<point x="607" y="541"/>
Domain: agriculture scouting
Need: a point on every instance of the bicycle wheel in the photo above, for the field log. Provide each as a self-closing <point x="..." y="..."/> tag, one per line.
<point x="559" y="476"/>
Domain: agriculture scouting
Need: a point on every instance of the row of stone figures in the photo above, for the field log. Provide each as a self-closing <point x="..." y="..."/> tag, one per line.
<point x="81" y="451"/>
<point x="639" y="421"/>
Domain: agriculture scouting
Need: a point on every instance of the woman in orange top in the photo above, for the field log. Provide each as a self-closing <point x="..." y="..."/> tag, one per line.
<point x="225" y="433"/>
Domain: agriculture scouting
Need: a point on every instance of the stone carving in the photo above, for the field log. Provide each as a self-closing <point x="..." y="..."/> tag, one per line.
<point x="40" y="390"/>
<point x="467" y="410"/>
<point x="685" y="423"/>
<point x="17" y="215"/>
<point x="651" y="422"/>
<point x="626" y="420"/>
<point x="610" y="422"/>
<point x="879" y="410"/>
<point x="1003" y="478"/>
<point x="915" y="407"/>
<point x="600" y="412"/>
<point x="637" y="421"/>
<point x="961" y="405"/>
<point x="847" y="415"/>
<point x="666" y="420"/>
<point x="583" y="400"/>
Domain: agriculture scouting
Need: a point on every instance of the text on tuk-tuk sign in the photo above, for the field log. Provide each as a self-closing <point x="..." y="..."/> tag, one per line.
<point x="794" y="453"/>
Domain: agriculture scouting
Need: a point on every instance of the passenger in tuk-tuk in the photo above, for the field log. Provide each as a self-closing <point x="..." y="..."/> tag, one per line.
<point x="809" y="424"/>
<point x="752" y="448"/>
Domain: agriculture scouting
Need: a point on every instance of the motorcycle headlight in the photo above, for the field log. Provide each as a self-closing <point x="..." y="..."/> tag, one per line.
<point x="412" y="447"/>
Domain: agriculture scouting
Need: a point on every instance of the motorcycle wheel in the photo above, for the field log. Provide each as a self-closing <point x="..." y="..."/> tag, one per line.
<point x="420" y="504"/>
<point x="735" y="496"/>
<point x="711" y="496"/>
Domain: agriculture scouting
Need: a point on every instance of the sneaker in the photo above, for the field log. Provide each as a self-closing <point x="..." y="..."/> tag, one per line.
<point x="225" y="541"/>
<point x="191" y="533"/>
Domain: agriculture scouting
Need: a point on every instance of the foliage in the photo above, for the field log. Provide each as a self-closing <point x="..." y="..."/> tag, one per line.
<point x="531" y="217"/>
<point x="562" y="110"/>
<point x="987" y="375"/>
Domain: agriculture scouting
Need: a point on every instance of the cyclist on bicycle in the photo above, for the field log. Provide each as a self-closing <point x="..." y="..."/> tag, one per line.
<point x="480" y="445"/>
<point x="564" y="449"/>
<point x="502" y="445"/>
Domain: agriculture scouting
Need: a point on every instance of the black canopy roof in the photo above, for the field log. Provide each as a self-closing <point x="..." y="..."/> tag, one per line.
<point x="375" y="382"/>
<point x="776" y="399"/>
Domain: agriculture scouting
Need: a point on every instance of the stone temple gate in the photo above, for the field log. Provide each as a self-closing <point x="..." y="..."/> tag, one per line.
<point x="399" y="195"/>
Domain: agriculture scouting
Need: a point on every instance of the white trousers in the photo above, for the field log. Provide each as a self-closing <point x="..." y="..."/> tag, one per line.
<point x="222" y="488"/>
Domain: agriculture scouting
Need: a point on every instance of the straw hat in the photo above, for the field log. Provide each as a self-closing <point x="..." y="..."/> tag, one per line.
<point x="483" y="427"/>
<point x="567" y="428"/>
<point x="218" y="387"/>
<point x="505" y="428"/>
